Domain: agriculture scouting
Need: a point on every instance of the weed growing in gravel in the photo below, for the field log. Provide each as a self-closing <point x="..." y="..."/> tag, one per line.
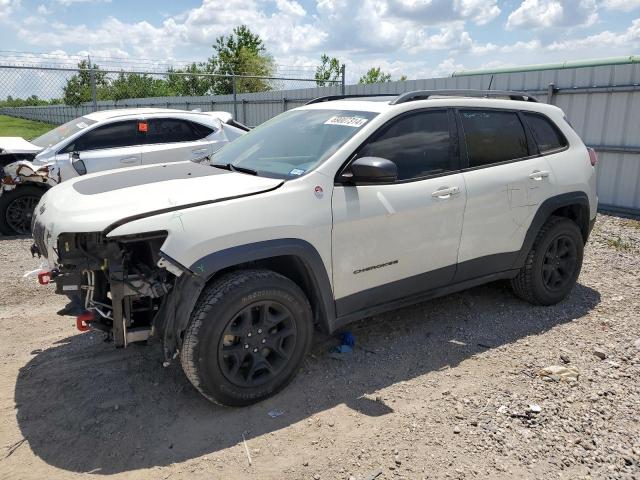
<point x="633" y="224"/>
<point x="619" y="244"/>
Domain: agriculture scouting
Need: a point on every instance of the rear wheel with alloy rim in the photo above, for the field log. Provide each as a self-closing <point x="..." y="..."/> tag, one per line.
<point x="247" y="337"/>
<point x="553" y="264"/>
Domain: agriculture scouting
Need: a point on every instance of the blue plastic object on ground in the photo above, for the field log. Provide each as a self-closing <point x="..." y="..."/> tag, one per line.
<point x="348" y="339"/>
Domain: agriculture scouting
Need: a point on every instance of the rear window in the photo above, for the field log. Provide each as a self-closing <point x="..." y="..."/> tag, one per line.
<point x="545" y="133"/>
<point x="493" y="136"/>
<point x="173" y="130"/>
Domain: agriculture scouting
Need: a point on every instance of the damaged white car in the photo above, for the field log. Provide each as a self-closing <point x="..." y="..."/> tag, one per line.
<point x="102" y="140"/>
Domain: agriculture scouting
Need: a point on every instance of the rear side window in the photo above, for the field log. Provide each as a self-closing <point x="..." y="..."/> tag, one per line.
<point x="112" y="135"/>
<point x="419" y="144"/>
<point x="200" y="130"/>
<point x="493" y="136"/>
<point x="545" y="133"/>
<point x="173" y="130"/>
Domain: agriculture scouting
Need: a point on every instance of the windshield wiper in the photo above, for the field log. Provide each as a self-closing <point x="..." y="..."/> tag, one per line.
<point x="233" y="168"/>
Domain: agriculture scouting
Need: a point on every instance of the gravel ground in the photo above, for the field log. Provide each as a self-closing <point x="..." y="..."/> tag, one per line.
<point x="445" y="389"/>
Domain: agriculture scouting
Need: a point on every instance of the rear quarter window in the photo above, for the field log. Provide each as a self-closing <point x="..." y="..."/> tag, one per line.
<point x="545" y="133"/>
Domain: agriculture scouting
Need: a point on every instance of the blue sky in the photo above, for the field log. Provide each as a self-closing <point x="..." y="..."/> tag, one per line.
<point x="418" y="38"/>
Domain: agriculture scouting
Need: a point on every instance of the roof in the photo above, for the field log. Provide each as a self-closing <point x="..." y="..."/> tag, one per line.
<point x="102" y="115"/>
<point x="601" y="62"/>
<point x="421" y="99"/>
<point x="120" y="112"/>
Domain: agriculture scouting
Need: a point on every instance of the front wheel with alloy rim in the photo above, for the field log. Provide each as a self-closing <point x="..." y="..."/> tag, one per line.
<point x="247" y="337"/>
<point x="553" y="264"/>
<point x="16" y="209"/>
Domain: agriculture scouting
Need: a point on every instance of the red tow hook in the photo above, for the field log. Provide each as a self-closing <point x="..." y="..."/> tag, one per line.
<point x="44" y="278"/>
<point x="84" y="319"/>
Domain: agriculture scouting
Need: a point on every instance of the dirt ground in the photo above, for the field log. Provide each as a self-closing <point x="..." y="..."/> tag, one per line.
<point x="445" y="389"/>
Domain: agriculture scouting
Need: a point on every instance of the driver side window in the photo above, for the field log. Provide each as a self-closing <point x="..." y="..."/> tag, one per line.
<point x="112" y="135"/>
<point x="420" y="144"/>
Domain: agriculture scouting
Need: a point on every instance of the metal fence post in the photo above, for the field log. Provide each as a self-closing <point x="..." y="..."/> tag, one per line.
<point x="92" y="82"/>
<point x="235" y="97"/>
<point x="342" y="71"/>
<point x="551" y="91"/>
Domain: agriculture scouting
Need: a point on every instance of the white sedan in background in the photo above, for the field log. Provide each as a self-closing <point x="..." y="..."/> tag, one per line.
<point x="102" y="140"/>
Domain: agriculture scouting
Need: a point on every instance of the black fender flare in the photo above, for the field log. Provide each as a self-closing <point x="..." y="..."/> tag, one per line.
<point x="543" y="213"/>
<point x="173" y="317"/>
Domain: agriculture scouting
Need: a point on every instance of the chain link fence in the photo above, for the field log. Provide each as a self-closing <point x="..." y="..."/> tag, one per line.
<point x="55" y="93"/>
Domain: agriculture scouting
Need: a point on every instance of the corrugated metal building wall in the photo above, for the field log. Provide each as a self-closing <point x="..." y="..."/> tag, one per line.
<point x="602" y="102"/>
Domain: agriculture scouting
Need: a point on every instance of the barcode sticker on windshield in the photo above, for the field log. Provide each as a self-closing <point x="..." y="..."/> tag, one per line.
<point x="354" y="122"/>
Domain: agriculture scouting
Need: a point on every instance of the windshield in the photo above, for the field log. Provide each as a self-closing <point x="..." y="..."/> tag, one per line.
<point x="62" y="132"/>
<point x="292" y="143"/>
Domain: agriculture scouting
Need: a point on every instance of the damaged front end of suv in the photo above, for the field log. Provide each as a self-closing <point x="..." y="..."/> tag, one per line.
<point x="113" y="270"/>
<point x="123" y="286"/>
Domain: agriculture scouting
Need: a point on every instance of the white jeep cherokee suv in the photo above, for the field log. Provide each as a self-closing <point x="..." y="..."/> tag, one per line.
<point x="325" y="214"/>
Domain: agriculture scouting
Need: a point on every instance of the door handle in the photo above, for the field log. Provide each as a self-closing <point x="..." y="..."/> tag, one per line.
<point x="199" y="151"/>
<point x="445" y="192"/>
<point x="129" y="160"/>
<point x="538" y="175"/>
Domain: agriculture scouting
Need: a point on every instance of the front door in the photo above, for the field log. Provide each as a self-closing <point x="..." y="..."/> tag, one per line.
<point x="114" y="145"/>
<point x="395" y="240"/>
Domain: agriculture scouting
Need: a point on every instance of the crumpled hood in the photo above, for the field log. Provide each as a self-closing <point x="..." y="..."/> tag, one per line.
<point x="96" y="202"/>
<point x="17" y="145"/>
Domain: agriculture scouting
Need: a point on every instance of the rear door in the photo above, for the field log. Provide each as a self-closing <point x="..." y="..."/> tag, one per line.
<point x="395" y="240"/>
<point x="109" y="146"/>
<point x="175" y="140"/>
<point x="506" y="180"/>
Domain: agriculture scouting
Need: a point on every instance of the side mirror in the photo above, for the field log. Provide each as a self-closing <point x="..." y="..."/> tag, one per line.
<point x="77" y="163"/>
<point x="371" y="170"/>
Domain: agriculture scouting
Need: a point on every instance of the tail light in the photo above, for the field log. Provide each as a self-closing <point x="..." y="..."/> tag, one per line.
<point x="593" y="156"/>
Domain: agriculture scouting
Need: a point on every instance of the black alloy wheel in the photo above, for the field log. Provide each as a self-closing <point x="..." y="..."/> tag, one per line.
<point x="257" y="343"/>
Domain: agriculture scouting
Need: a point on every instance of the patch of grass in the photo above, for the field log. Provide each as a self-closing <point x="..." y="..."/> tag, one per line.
<point x="619" y="244"/>
<point x="633" y="224"/>
<point x="18" y="127"/>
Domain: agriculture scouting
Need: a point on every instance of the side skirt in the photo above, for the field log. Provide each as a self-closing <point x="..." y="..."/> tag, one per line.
<point x="421" y="297"/>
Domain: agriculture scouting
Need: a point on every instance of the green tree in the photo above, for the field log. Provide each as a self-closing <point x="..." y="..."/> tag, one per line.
<point x="78" y="87"/>
<point x="189" y="81"/>
<point x="329" y="71"/>
<point x="134" y="85"/>
<point x="375" y="75"/>
<point x="31" y="101"/>
<point x="241" y="53"/>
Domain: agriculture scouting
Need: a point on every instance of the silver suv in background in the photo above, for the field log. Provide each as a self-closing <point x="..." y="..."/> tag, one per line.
<point x="100" y="141"/>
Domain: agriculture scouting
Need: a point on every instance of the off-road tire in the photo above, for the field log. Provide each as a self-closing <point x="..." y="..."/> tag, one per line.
<point x="529" y="283"/>
<point x="218" y="304"/>
<point x="25" y="193"/>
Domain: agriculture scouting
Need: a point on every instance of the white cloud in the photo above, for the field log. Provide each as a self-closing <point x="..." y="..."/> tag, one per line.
<point x="536" y="14"/>
<point x="438" y="11"/>
<point x="67" y="3"/>
<point x="43" y="10"/>
<point x="7" y="7"/>
<point x="603" y="41"/>
<point x="624" y="5"/>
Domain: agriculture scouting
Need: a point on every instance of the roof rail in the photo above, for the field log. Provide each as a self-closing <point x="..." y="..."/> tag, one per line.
<point x="329" y="98"/>
<point x="425" y="94"/>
